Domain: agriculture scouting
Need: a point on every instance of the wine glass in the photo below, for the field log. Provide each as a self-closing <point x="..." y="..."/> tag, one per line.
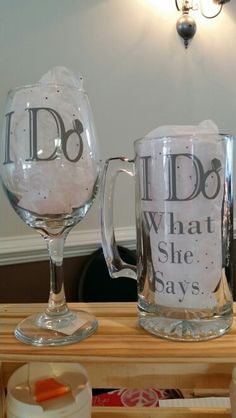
<point x="50" y="173"/>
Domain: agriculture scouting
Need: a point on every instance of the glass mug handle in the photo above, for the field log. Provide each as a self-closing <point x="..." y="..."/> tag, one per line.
<point x="116" y="266"/>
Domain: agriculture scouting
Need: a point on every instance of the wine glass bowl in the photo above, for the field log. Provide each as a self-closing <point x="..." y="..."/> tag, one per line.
<point x="50" y="174"/>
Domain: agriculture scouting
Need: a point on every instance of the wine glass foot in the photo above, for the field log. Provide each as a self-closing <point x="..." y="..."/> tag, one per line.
<point x="51" y="330"/>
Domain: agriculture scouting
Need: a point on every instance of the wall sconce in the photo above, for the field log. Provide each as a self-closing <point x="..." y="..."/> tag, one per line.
<point x="186" y="25"/>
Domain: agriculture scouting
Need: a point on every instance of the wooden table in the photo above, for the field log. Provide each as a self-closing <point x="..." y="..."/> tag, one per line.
<point x="121" y="354"/>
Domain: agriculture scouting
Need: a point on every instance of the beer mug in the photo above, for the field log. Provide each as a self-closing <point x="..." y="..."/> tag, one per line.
<point x="184" y="226"/>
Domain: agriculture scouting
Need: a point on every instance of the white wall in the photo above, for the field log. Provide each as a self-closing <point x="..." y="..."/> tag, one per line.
<point x="137" y="73"/>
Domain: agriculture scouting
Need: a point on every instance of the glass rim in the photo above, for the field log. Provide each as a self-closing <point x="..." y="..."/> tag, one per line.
<point x="194" y="136"/>
<point x="14" y="90"/>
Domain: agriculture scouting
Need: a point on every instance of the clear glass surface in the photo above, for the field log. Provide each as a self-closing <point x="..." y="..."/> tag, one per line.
<point x="50" y="174"/>
<point x="184" y="223"/>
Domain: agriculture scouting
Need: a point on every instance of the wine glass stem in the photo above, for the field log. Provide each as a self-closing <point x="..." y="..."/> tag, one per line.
<point x="57" y="301"/>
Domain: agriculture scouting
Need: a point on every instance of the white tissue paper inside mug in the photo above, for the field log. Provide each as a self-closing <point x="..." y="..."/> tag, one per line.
<point x="205" y="127"/>
<point x="58" y="185"/>
<point x="186" y="240"/>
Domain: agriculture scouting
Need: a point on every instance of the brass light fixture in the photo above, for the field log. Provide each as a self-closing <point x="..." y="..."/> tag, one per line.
<point x="186" y="25"/>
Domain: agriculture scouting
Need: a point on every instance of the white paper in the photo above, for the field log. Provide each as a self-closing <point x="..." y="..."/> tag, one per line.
<point x="185" y="233"/>
<point x="211" y="402"/>
<point x="70" y="328"/>
<point x="57" y="185"/>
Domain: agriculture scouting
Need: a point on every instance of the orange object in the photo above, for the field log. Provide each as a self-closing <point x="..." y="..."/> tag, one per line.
<point x="50" y="388"/>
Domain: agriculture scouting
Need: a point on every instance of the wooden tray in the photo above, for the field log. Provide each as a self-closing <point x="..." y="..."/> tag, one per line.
<point x="121" y="354"/>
